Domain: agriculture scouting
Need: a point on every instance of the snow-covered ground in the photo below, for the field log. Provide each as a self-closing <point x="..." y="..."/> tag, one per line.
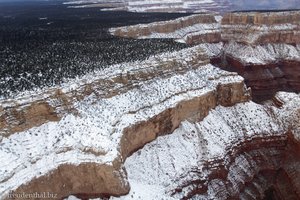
<point x="94" y="134"/>
<point x="170" y="161"/>
<point x="196" y="26"/>
<point x="253" y="54"/>
<point x="152" y="5"/>
<point x="155" y="171"/>
<point x="262" y="54"/>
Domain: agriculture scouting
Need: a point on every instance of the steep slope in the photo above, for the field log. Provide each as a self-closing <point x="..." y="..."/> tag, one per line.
<point x="201" y="28"/>
<point x="263" y="47"/>
<point x="239" y="152"/>
<point x="113" y="114"/>
<point x="267" y="68"/>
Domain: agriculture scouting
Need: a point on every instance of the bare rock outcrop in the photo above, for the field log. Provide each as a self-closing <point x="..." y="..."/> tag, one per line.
<point x="266" y="68"/>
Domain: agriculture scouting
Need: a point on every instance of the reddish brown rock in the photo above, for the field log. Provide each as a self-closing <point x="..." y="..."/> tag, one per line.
<point x="85" y="180"/>
<point x="267" y="79"/>
<point x="261" y="27"/>
<point x="195" y="29"/>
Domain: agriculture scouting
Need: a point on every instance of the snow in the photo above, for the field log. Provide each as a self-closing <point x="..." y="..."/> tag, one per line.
<point x="148" y="6"/>
<point x="171" y="160"/>
<point x="262" y="54"/>
<point x="183" y="33"/>
<point x="93" y="135"/>
<point x="212" y="49"/>
<point x="144" y="192"/>
<point x="290" y="112"/>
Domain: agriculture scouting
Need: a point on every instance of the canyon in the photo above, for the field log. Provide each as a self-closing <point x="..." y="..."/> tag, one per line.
<point x="263" y="47"/>
<point x="217" y="120"/>
<point x="189" y="6"/>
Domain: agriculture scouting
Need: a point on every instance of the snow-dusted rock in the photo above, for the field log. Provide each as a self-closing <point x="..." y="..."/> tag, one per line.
<point x="234" y="152"/>
<point x="152" y="5"/>
<point x="198" y="133"/>
<point x="110" y="115"/>
<point x="201" y="28"/>
<point x="261" y="27"/>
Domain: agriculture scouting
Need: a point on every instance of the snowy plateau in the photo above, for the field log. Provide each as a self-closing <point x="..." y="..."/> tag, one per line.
<point x="218" y="119"/>
<point x="153" y="5"/>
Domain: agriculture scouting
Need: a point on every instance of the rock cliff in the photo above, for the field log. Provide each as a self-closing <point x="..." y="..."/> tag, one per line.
<point x="261" y="27"/>
<point x="82" y="152"/>
<point x="189" y="6"/>
<point x="200" y="28"/>
<point x="264" y="49"/>
<point x="247" y="151"/>
<point x="267" y="68"/>
<point x="173" y="126"/>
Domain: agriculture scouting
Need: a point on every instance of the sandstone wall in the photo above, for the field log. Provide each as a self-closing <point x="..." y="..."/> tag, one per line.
<point x="83" y="152"/>
<point x="261" y="27"/>
<point x="81" y="134"/>
<point x="193" y="29"/>
<point x="246" y="151"/>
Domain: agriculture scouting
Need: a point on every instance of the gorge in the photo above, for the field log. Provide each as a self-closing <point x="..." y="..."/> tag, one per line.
<point x="263" y="47"/>
<point x="217" y="120"/>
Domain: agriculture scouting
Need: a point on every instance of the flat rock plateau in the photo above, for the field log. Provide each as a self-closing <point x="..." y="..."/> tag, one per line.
<point x="217" y="118"/>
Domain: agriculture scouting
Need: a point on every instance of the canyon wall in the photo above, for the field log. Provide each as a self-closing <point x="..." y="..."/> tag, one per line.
<point x="82" y="152"/>
<point x="173" y="126"/>
<point x="188" y="6"/>
<point x="267" y="68"/>
<point x="193" y="29"/>
<point x="246" y="151"/>
<point x="261" y="27"/>
<point x="263" y="47"/>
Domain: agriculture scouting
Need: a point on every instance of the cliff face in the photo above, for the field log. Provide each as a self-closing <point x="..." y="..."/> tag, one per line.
<point x="164" y="6"/>
<point x="266" y="68"/>
<point x="83" y="152"/>
<point x="247" y="151"/>
<point x="261" y="27"/>
<point x="193" y="29"/>
<point x="263" y="47"/>
<point x="173" y="126"/>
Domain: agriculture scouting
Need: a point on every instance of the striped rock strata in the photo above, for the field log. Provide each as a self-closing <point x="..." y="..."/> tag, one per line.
<point x="108" y="117"/>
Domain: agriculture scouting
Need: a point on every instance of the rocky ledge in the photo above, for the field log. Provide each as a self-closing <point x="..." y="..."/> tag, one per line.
<point x="262" y="27"/>
<point x="195" y="29"/>
<point x="263" y="47"/>
<point x="247" y="151"/>
<point x="171" y="127"/>
<point x="106" y="119"/>
<point x="188" y="6"/>
<point x="267" y="68"/>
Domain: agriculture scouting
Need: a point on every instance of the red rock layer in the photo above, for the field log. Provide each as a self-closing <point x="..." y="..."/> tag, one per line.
<point x="266" y="79"/>
<point x="261" y="27"/>
<point x="264" y="168"/>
